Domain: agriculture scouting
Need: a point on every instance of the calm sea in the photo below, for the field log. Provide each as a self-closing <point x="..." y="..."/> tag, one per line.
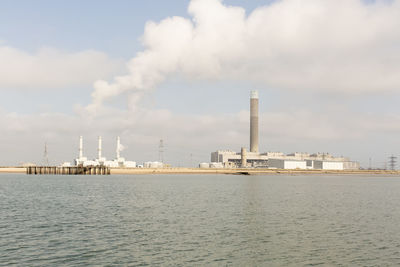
<point x="222" y="220"/>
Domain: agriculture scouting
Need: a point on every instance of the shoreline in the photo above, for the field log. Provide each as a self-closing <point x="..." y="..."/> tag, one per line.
<point x="12" y="170"/>
<point x="122" y="171"/>
<point x="189" y="171"/>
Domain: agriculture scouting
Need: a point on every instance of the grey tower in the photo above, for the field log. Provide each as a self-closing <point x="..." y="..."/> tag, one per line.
<point x="254" y="121"/>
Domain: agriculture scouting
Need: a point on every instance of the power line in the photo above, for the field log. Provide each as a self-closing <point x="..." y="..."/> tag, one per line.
<point x="392" y="162"/>
<point x="45" y="155"/>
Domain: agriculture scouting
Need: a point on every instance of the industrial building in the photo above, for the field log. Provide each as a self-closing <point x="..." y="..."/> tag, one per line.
<point x="102" y="161"/>
<point x="287" y="164"/>
<point x="276" y="160"/>
<point x="118" y="162"/>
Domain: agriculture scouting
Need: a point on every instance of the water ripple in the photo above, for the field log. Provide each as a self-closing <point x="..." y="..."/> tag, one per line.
<point x="199" y="220"/>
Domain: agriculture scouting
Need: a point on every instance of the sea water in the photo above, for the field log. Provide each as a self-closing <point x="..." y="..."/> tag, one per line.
<point x="196" y="220"/>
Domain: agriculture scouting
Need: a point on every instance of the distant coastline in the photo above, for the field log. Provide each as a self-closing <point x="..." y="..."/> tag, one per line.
<point x="12" y="170"/>
<point x="244" y="171"/>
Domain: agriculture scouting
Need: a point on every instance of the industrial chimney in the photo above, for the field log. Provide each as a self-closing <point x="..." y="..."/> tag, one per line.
<point x="99" y="149"/>
<point x="243" y="158"/>
<point x="254" y="121"/>
<point x="80" y="147"/>
<point x="118" y="147"/>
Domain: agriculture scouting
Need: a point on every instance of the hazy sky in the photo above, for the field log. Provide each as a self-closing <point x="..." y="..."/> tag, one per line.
<point x="328" y="75"/>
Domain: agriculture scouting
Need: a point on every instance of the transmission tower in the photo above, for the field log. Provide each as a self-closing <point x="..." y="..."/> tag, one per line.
<point x="392" y="162"/>
<point x="45" y="155"/>
<point x="161" y="151"/>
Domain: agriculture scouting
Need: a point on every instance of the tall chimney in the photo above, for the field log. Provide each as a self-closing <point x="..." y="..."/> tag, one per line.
<point x="118" y="147"/>
<point x="80" y="146"/>
<point x="243" y="158"/>
<point x="254" y="121"/>
<point x="99" y="149"/>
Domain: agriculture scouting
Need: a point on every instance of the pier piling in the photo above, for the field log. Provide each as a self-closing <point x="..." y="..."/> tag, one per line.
<point x="76" y="170"/>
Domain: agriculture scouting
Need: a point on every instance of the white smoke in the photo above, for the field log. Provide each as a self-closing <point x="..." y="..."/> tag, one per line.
<point x="121" y="148"/>
<point x="332" y="45"/>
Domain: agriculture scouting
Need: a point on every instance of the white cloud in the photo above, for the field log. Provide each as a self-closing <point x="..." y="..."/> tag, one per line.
<point x="51" y="68"/>
<point x="344" y="46"/>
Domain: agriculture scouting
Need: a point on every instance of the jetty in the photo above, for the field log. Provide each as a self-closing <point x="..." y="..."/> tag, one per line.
<point x="75" y="170"/>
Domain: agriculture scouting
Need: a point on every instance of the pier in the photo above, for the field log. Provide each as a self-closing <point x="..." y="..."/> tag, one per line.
<point x="76" y="170"/>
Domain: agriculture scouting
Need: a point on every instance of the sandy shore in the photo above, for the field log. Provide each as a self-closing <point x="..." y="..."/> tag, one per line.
<point x="12" y="170"/>
<point x="248" y="171"/>
<point x="138" y="171"/>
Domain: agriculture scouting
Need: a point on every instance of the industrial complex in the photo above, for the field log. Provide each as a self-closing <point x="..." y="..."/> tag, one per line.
<point x="226" y="159"/>
<point x="274" y="160"/>
<point x="118" y="162"/>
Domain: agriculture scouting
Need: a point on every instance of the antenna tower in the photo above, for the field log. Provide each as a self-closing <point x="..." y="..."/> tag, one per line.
<point x="161" y="151"/>
<point x="45" y="155"/>
<point x="392" y="162"/>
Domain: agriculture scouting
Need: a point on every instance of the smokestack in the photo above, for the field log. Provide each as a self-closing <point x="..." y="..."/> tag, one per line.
<point x="243" y="158"/>
<point x="80" y="147"/>
<point x="99" y="149"/>
<point x="118" y="146"/>
<point x="254" y="121"/>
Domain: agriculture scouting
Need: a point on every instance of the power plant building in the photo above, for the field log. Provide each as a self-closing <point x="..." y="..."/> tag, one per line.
<point x="287" y="164"/>
<point x="118" y="162"/>
<point x="101" y="161"/>
<point x="276" y="160"/>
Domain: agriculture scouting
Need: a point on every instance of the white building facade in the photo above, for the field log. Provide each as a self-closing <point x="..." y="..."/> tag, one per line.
<point x="278" y="160"/>
<point x="118" y="162"/>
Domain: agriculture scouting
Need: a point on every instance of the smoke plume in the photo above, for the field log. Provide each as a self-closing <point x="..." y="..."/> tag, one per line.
<point x="346" y="46"/>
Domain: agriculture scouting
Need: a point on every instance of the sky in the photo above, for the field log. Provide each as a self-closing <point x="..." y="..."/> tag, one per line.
<point x="327" y="72"/>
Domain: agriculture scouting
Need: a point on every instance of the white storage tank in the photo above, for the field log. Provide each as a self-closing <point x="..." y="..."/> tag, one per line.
<point x="204" y="165"/>
<point x="130" y="164"/>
